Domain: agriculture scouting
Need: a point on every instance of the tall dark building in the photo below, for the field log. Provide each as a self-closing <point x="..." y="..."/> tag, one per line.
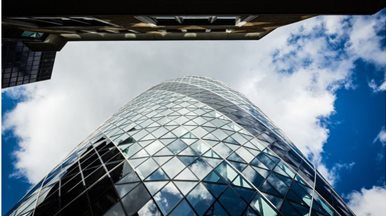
<point x="190" y="146"/>
<point x="21" y="65"/>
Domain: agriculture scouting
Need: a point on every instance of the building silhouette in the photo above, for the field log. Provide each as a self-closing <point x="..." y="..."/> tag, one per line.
<point x="49" y="34"/>
<point x="190" y="146"/>
<point x="20" y="65"/>
<point x="43" y="25"/>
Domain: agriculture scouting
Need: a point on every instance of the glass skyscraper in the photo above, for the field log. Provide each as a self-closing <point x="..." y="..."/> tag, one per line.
<point x="190" y="146"/>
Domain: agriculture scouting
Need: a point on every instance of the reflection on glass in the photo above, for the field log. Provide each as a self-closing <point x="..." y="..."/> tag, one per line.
<point x="261" y="206"/>
<point x="226" y="171"/>
<point x="187" y="149"/>
<point x="150" y="209"/>
<point x="116" y="210"/>
<point x="183" y="209"/>
<point x="200" y="168"/>
<point x="173" y="167"/>
<point x="177" y="146"/>
<point x="200" y="199"/>
<point x="185" y="186"/>
<point x="167" y="198"/>
<point x="155" y="186"/>
<point x="146" y="168"/>
<point x="232" y="202"/>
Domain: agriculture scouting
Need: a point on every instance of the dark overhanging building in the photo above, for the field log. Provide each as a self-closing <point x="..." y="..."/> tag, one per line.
<point x="46" y="26"/>
<point x="21" y="65"/>
<point x="190" y="146"/>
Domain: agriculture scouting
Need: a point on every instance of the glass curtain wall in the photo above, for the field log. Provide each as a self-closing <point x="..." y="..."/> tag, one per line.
<point x="190" y="146"/>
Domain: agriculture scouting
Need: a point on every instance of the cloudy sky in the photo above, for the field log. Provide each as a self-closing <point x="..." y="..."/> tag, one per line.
<point x="322" y="81"/>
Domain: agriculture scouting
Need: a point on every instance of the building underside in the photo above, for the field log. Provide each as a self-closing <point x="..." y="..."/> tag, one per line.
<point x="46" y="26"/>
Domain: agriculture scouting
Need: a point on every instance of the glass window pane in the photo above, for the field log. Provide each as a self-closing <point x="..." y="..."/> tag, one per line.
<point x="188" y="152"/>
<point x="210" y="153"/>
<point x="239" y="138"/>
<point x="222" y="149"/>
<point x="246" y="155"/>
<point x="159" y="132"/>
<point x="155" y="186"/>
<point x="116" y="210"/>
<point x="186" y="174"/>
<point x="123" y="189"/>
<point x="146" y="168"/>
<point x="129" y="178"/>
<point x="235" y="157"/>
<point x="261" y="206"/>
<point x="78" y="207"/>
<point x="149" y="209"/>
<point x="253" y="176"/>
<point x="135" y="199"/>
<point x="27" y="204"/>
<point x="185" y="186"/>
<point x="232" y="202"/>
<point x="167" y="198"/>
<point x="214" y="177"/>
<point x="161" y="160"/>
<point x="300" y="190"/>
<point x="200" y="147"/>
<point x="131" y="150"/>
<point x="199" y="131"/>
<point x="200" y="168"/>
<point x="239" y="166"/>
<point x="200" y="199"/>
<point x="226" y="171"/>
<point x="179" y="131"/>
<point x="120" y="170"/>
<point x="241" y="182"/>
<point x="219" y="134"/>
<point x="268" y="188"/>
<point x="276" y="201"/>
<point x="177" y="146"/>
<point x="173" y="167"/>
<point x="231" y="141"/>
<point x="216" y="209"/>
<point x="284" y="170"/>
<point x="247" y="194"/>
<point x="159" y="174"/>
<point x="164" y="152"/>
<point x="102" y="196"/>
<point x="154" y="147"/>
<point x="278" y="184"/>
<point x="183" y="209"/>
<point x="215" y="189"/>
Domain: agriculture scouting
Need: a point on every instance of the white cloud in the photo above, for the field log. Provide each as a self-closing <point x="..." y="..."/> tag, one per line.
<point x="381" y="137"/>
<point x="293" y="82"/>
<point x="369" y="202"/>
<point x="377" y="87"/>
<point x="304" y="92"/>
<point x="366" y="40"/>
<point x="366" y="43"/>
<point x="382" y="87"/>
<point x="332" y="175"/>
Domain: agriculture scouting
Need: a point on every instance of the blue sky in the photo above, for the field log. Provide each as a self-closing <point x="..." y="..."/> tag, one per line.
<point x="360" y="115"/>
<point x="13" y="188"/>
<point x="322" y="81"/>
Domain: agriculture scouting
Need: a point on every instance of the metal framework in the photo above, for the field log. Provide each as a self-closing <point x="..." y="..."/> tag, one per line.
<point x="190" y="146"/>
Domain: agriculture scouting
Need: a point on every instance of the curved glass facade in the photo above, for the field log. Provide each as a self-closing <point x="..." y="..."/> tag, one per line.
<point x="190" y="146"/>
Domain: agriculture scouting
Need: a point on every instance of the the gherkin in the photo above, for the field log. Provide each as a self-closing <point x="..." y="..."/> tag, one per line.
<point x="189" y="146"/>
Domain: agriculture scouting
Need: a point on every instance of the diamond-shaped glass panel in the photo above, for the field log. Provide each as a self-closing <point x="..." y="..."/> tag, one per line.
<point x="168" y="198"/>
